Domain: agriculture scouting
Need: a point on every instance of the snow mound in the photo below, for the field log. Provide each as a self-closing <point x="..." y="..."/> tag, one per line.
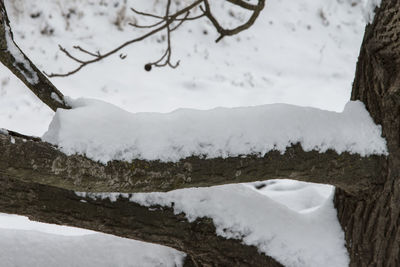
<point x="311" y="237"/>
<point x="298" y="196"/>
<point x="104" y="132"/>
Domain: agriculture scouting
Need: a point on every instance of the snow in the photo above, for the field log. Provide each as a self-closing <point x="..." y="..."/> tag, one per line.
<point x="298" y="52"/>
<point x="55" y="97"/>
<point x="3" y="131"/>
<point x="8" y="221"/>
<point x="297" y="196"/>
<point x="369" y="9"/>
<point x="298" y="236"/>
<point x="27" y="243"/>
<point x="220" y="132"/>
<point x="37" y="249"/>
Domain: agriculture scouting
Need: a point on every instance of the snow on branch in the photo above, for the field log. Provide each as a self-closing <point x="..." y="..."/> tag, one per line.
<point x="16" y="61"/>
<point x="220" y="132"/>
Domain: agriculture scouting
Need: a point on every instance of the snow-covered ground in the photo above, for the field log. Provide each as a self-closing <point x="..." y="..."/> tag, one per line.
<point x="38" y="249"/>
<point x="298" y="52"/>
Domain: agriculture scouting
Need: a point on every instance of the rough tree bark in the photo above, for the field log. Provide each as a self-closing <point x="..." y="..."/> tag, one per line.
<point x="40" y="162"/>
<point x="367" y="196"/>
<point x="371" y="219"/>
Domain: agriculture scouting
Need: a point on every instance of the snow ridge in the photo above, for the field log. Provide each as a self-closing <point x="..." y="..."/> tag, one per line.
<point x="104" y="132"/>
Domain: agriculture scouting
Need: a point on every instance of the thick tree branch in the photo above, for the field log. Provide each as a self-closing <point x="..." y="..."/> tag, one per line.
<point x="40" y="162"/>
<point x="15" y="60"/>
<point x="157" y="224"/>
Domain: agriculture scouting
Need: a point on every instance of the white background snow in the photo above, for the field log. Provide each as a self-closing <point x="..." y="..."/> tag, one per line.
<point x="298" y="52"/>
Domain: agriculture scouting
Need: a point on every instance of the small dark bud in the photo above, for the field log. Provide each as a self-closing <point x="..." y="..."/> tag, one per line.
<point x="147" y="67"/>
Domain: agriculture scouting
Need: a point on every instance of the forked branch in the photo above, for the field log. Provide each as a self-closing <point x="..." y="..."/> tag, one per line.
<point x="169" y="22"/>
<point x="229" y="32"/>
<point x="164" y="23"/>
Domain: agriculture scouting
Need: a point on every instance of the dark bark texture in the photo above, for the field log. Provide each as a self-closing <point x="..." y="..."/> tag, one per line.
<point x="32" y="160"/>
<point x="371" y="220"/>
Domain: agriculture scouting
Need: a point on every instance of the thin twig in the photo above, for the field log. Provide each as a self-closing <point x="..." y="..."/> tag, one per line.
<point x="146" y="26"/>
<point x="86" y="52"/>
<point x="180" y="22"/>
<point x="146" y="14"/>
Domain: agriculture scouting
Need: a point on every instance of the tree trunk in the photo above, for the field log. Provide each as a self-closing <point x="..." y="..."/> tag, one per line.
<point x="371" y="218"/>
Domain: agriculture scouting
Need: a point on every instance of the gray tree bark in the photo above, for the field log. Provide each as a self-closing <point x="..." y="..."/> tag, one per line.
<point x="33" y="160"/>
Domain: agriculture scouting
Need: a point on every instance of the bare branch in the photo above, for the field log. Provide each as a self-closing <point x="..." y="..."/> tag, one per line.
<point x="40" y="162"/>
<point x="87" y="52"/>
<point x="243" y="4"/>
<point x="165" y="23"/>
<point x="147" y="14"/>
<point x="192" y="18"/>
<point x="168" y="20"/>
<point x="228" y="32"/>
<point x="69" y="55"/>
<point x="181" y="21"/>
<point x="166" y="57"/>
<point x="146" y="26"/>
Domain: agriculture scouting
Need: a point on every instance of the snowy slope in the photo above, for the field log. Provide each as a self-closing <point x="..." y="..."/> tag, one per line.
<point x="298" y="52"/>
